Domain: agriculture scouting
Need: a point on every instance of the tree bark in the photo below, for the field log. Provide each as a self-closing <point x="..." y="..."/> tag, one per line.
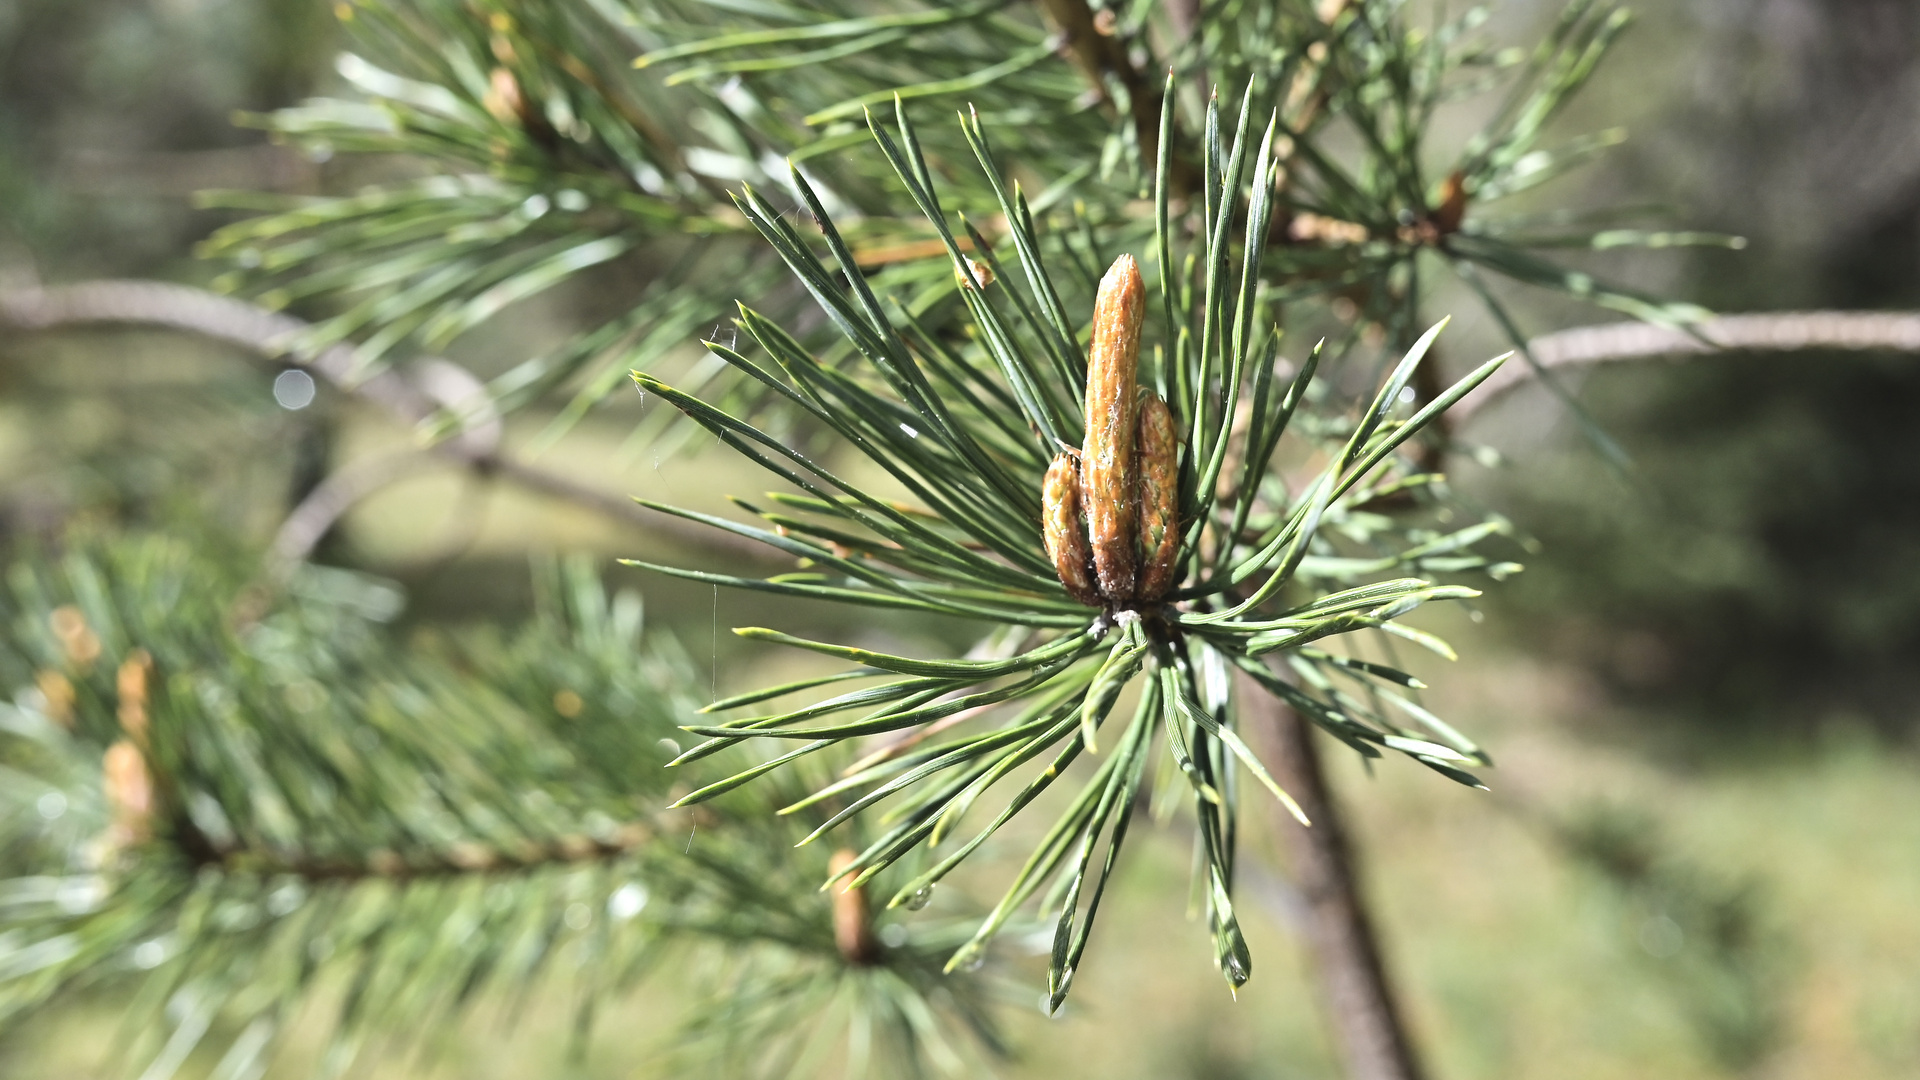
<point x="1359" y="999"/>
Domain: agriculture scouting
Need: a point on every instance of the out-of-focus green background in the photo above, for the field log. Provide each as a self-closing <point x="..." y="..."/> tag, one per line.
<point x="1701" y="856"/>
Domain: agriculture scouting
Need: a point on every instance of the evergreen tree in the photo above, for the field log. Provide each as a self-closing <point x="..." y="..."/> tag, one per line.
<point x="1136" y="283"/>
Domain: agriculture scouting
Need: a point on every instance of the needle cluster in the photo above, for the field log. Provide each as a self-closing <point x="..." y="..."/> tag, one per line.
<point x="969" y="426"/>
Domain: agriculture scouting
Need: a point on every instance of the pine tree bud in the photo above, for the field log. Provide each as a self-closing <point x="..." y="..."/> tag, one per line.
<point x="503" y="100"/>
<point x="1157" y="452"/>
<point x="1060" y="526"/>
<point x="60" y="697"/>
<point x="129" y="791"/>
<point x="131" y="682"/>
<point x="972" y="274"/>
<point x="1452" y="207"/>
<point x="76" y="638"/>
<point x="1107" y="458"/>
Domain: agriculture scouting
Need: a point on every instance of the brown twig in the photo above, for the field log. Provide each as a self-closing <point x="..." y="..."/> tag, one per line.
<point x="1360" y="1002"/>
<point x="266" y="334"/>
<point x="1098" y="53"/>
<point x="344" y="488"/>
<point x="1787" y="331"/>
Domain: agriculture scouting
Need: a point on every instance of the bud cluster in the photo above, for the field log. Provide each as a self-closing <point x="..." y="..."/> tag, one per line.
<point x="1110" y="513"/>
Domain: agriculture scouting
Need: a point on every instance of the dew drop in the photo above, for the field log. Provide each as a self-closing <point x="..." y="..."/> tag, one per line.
<point x="920" y="898"/>
<point x="627" y="901"/>
<point x="1236" y="972"/>
<point x="149" y="955"/>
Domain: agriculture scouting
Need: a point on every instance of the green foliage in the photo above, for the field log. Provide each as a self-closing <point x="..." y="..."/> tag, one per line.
<point x="968" y="545"/>
<point x="409" y="832"/>
<point x="1752" y="581"/>
<point x="520" y="145"/>
<point x="97" y="99"/>
<point x="1710" y="937"/>
<point x="499" y="150"/>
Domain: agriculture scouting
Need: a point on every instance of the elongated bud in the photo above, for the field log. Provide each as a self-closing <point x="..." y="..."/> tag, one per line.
<point x="60" y="695"/>
<point x="1157" y="451"/>
<point x="1060" y="525"/>
<point x="852" y="922"/>
<point x="131" y="681"/>
<point x="1107" y="458"/>
<point x="502" y="99"/>
<point x="76" y="638"/>
<point x="1452" y="207"/>
<point x="129" y="790"/>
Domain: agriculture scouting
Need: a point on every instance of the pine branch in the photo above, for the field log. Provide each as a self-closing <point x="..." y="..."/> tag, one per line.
<point x="309" y="522"/>
<point x="1209" y="595"/>
<point x="518" y="204"/>
<point x="962" y="383"/>
<point x="1360" y="1002"/>
<point x="1787" y="331"/>
<point x="266" y="334"/>
<point x="1184" y="15"/>
<point x="292" y="802"/>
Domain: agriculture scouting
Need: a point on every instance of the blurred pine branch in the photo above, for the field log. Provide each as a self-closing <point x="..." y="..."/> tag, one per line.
<point x="227" y="801"/>
<point x="540" y="141"/>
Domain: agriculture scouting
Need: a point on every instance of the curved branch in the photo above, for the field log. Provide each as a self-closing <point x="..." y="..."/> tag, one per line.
<point x="264" y="333"/>
<point x="268" y="334"/>
<point x="1787" y="331"/>
<point x="310" y="521"/>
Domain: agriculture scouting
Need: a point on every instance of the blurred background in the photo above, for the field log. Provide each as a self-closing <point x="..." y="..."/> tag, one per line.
<point x="1701" y="855"/>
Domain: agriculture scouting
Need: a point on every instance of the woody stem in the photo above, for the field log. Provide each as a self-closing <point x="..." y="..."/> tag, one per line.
<point x="1360" y="1000"/>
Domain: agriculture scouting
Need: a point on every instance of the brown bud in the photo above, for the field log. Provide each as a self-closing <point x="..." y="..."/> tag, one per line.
<point x="1060" y="526"/>
<point x="76" y="638"/>
<point x="1157" y="450"/>
<point x="1452" y="207"/>
<point x="131" y="682"/>
<point x="129" y="790"/>
<point x="503" y="100"/>
<point x="852" y="922"/>
<point x="972" y="274"/>
<point x="58" y="690"/>
<point x="1107" y="458"/>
